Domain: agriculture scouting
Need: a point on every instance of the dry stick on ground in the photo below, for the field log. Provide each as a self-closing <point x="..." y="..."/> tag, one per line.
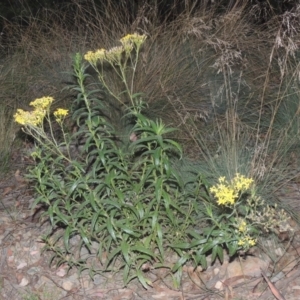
<point x="273" y="288"/>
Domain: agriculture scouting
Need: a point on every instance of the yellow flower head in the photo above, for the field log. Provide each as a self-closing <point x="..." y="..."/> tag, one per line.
<point x="133" y="39"/>
<point x="243" y="226"/>
<point x="241" y="183"/>
<point x="100" y="54"/>
<point x="94" y="57"/>
<point x="29" y="118"/>
<point x="35" y="155"/>
<point x="247" y="242"/>
<point x="60" y="114"/>
<point x="42" y="103"/>
<point x="225" y="195"/>
<point x="114" y="55"/>
<point x="227" y="192"/>
<point x="90" y="57"/>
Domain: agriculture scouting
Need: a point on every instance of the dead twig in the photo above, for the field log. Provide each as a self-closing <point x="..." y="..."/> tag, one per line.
<point x="272" y="287"/>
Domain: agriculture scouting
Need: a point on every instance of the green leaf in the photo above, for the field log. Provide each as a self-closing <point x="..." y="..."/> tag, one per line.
<point x="209" y="245"/>
<point x="198" y="242"/>
<point x="84" y="237"/>
<point x="170" y="215"/>
<point x="203" y="261"/>
<point x="154" y="220"/>
<point x="144" y="281"/>
<point x="113" y="255"/>
<point x="194" y="234"/>
<point x="214" y="253"/>
<point x="157" y="157"/>
<point x="140" y="248"/>
<point x="140" y="210"/>
<point x="183" y="245"/>
<point x="200" y="259"/>
<point x="74" y="187"/>
<point x="167" y="168"/>
<point x="158" y="189"/>
<point x="94" y="220"/>
<point x="159" y="233"/>
<point x="130" y="232"/>
<point x="63" y="218"/>
<point x="232" y="247"/>
<point x="67" y="237"/>
<point x="78" y="166"/>
<point x="112" y="203"/>
<point x="182" y="260"/>
<point x="119" y="194"/>
<point x="111" y="229"/>
<point x="177" y="278"/>
<point x="51" y="214"/>
<point x="125" y="248"/>
<point x="220" y="253"/>
<point x="126" y="271"/>
<point x="159" y="243"/>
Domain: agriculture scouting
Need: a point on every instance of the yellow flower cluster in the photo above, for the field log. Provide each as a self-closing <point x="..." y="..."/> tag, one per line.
<point x="93" y="57"/>
<point x="243" y="226"/>
<point x="33" y="118"/>
<point x="241" y="183"/>
<point x="114" y="54"/>
<point x="246" y="242"/>
<point x="228" y="192"/>
<point x="133" y="39"/>
<point x="36" y="117"/>
<point x="42" y="103"/>
<point x="60" y="114"/>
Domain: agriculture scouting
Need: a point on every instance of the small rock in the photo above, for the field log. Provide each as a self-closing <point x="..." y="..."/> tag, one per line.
<point x="296" y="287"/>
<point x="21" y="265"/>
<point x="219" y="285"/>
<point x="87" y="283"/>
<point x="24" y="282"/>
<point x="98" y="279"/>
<point x="199" y="269"/>
<point x="68" y="285"/>
<point x="84" y="253"/>
<point x="279" y="252"/>
<point x="33" y="270"/>
<point x="74" y="241"/>
<point x="9" y="252"/>
<point x="10" y="260"/>
<point x="19" y="276"/>
<point x="296" y="293"/>
<point x="61" y="272"/>
<point x="216" y="271"/>
<point x="27" y="235"/>
<point x="95" y="247"/>
<point x="251" y="266"/>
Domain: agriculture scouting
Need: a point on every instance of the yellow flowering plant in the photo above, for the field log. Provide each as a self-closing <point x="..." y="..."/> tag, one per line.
<point x="33" y="124"/>
<point x="123" y="59"/>
<point x="237" y="215"/>
<point x="130" y="202"/>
